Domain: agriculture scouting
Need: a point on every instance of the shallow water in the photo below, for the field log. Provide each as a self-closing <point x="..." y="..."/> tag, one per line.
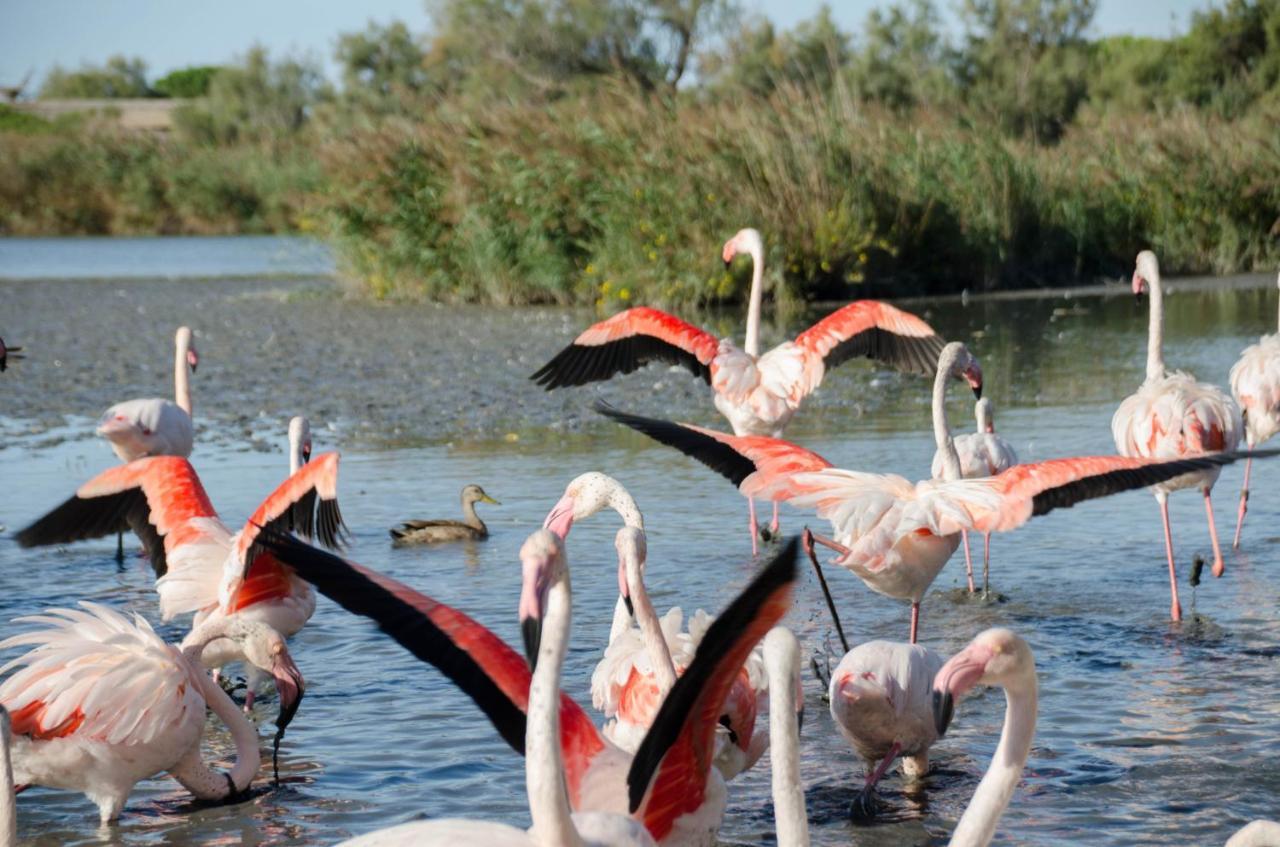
<point x="1149" y="732"/>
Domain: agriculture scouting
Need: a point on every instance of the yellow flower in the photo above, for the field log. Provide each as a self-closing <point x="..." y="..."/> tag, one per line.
<point x="624" y="294"/>
<point x="591" y="269"/>
<point x="862" y="258"/>
<point x="653" y="256"/>
<point x="605" y="286"/>
<point x="661" y="239"/>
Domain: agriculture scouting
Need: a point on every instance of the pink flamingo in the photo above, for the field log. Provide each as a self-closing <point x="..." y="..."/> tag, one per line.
<point x="640" y="665"/>
<point x="758" y="394"/>
<point x="996" y="657"/>
<point x="155" y="426"/>
<point x="981" y="453"/>
<point x="1256" y="834"/>
<point x="669" y="784"/>
<point x="200" y="565"/>
<point x="895" y="535"/>
<point x="7" y="353"/>
<point x="1172" y="416"/>
<point x="1255" y="383"/>
<point x="101" y="702"/>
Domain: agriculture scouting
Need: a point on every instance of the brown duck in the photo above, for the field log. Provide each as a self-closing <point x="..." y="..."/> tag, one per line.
<point x="470" y="528"/>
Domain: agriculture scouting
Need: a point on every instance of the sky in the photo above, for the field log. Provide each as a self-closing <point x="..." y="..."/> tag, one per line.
<point x="169" y="34"/>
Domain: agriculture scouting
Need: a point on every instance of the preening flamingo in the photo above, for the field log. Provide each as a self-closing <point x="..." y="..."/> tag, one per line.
<point x="100" y="702"/>
<point x="1255" y="383"/>
<point x="1172" y="416"/>
<point x="757" y="394"/>
<point x="641" y="663"/>
<point x="896" y="536"/>
<point x="155" y="426"/>
<point x="470" y="528"/>
<point x="981" y="453"/>
<point x="7" y="353"/>
<point x="996" y="657"/>
<point x="200" y="565"/>
<point x="687" y="799"/>
<point x="545" y="602"/>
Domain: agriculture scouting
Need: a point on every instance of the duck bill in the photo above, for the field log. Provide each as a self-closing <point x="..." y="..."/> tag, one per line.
<point x="560" y="518"/>
<point x="485" y="498"/>
<point x="290" y="686"/>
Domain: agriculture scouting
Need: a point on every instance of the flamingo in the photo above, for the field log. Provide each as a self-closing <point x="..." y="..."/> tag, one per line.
<point x="101" y="702"/>
<point x="155" y="426"/>
<point x="981" y="453"/>
<point x="896" y="536"/>
<point x="782" y="661"/>
<point x="639" y="667"/>
<point x="7" y="353"/>
<point x="686" y="801"/>
<point x="1255" y="384"/>
<point x="757" y="394"/>
<point x="1172" y="416"/>
<point x="200" y="565"/>
<point x="8" y="802"/>
<point x="546" y="598"/>
<point x="1256" y="834"/>
<point x="995" y="657"/>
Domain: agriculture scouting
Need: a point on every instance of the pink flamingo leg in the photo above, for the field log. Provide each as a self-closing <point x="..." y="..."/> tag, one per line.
<point x="1176" y="610"/>
<point x="1219" y="567"/>
<point x="751" y="524"/>
<point x="248" y="700"/>
<point x="830" y="544"/>
<point x="915" y="620"/>
<point x="1244" y="504"/>
<point x="885" y="764"/>
<point x="968" y="561"/>
<point x="774" y="525"/>
<point x="986" y="563"/>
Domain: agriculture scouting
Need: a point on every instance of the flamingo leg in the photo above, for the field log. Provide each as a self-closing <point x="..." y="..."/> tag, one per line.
<point x="752" y="526"/>
<point x="830" y="544"/>
<point x="1219" y="567"/>
<point x="885" y="763"/>
<point x="774" y="526"/>
<point x="915" y="620"/>
<point x="864" y="804"/>
<point x="968" y="562"/>
<point x="120" y="547"/>
<point x="807" y="541"/>
<point x="248" y="700"/>
<point x="986" y="563"/>
<point x="1244" y="503"/>
<point x="1175" y="610"/>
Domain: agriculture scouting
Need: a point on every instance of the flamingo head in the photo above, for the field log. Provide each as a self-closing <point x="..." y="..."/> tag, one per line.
<point x="744" y="241"/>
<point x="300" y="439"/>
<point x="956" y="360"/>
<point x="588" y="494"/>
<point x="542" y="563"/>
<point x="1146" y="271"/>
<point x="633" y="550"/>
<point x="265" y="648"/>
<point x="996" y="657"/>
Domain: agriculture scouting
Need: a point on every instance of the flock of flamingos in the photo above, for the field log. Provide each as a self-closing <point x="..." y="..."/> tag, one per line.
<point x="99" y="701"/>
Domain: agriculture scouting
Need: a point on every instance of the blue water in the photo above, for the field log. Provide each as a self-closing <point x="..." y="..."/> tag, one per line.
<point x="1149" y="732"/>
<point x="170" y="256"/>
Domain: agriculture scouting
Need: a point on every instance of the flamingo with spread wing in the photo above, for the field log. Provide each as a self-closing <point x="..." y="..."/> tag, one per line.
<point x="1255" y="383"/>
<point x="7" y="353"/>
<point x="758" y="394"/>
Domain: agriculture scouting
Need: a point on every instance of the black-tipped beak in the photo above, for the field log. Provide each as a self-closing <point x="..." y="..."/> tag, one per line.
<point x="800" y="719"/>
<point x="943" y="707"/>
<point x="977" y="391"/>
<point x="728" y="263"/>
<point x="631" y="607"/>
<point x="531" y="630"/>
<point x="291" y="687"/>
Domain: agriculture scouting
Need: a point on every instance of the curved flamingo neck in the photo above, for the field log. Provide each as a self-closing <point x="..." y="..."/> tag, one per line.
<point x="655" y="642"/>
<point x="983" y="418"/>
<point x="1155" y="330"/>
<point x="544" y="769"/>
<point x="751" y="344"/>
<point x="181" y="380"/>
<point x="295" y="452"/>
<point x="790" y="817"/>
<point x="8" y="804"/>
<point x="942" y="432"/>
<point x="978" y="824"/>
<point x="199" y="778"/>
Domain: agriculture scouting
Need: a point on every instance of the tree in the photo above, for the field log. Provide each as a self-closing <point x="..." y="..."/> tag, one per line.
<point x="1230" y="56"/>
<point x="758" y="59"/>
<point x="119" y="77"/>
<point x="902" y="60"/>
<point x="187" y="82"/>
<point x="382" y="66"/>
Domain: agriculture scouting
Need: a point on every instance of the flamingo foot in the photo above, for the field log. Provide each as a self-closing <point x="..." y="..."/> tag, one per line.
<point x="863" y="807"/>
<point x="1219" y="567"/>
<point x="1175" y="612"/>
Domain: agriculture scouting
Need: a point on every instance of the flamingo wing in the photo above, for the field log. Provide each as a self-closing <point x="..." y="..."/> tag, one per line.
<point x="492" y="674"/>
<point x="758" y="465"/>
<point x="872" y="330"/>
<point x="160" y="498"/>
<point x="95" y="674"/>
<point x="668" y="775"/>
<point x="626" y="342"/>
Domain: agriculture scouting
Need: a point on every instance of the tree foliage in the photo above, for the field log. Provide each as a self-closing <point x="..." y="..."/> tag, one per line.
<point x="187" y="82"/>
<point x="119" y="77"/>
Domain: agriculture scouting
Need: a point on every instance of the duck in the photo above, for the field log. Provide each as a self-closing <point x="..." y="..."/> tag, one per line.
<point x="470" y="528"/>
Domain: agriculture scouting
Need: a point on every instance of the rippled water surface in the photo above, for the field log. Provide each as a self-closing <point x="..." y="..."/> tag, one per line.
<point x="1149" y="732"/>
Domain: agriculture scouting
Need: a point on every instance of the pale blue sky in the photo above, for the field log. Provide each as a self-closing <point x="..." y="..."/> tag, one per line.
<point x="36" y="34"/>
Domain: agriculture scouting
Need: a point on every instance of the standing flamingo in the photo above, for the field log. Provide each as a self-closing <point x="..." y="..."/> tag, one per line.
<point x="757" y="394"/>
<point x="7" y="353"/>
<point x="200" y="565"/>
<point x="996" y="657"/>
<point x="686" y="803"/>
<point x="101" y="702"/>
<point x="546" y="597"/>
<point x="639" y="666"/>
<point x="1172" y="416"/>
<point x="895" y="535"/>
<point x="982" y="453"/>
<point x="1255" y="383"/>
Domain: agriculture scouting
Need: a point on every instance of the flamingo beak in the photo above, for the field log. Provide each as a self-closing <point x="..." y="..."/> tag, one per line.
<point x="531" y="631"/>
<point x="1139" y="286"/>
<point x="193" y="358"/>
<point x="560" y="518"/>
<point x="533" y="602"/>
<point x="973" y="376"/>
<point x="730" y="250"/>
<point x="954" y="679"/>
<point x="290" y="686"/>
<point x="624" y="591"/>
<point x="306" y="452"/>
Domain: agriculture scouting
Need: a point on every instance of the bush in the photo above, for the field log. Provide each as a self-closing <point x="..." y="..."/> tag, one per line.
<point x="187" y="82"/>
